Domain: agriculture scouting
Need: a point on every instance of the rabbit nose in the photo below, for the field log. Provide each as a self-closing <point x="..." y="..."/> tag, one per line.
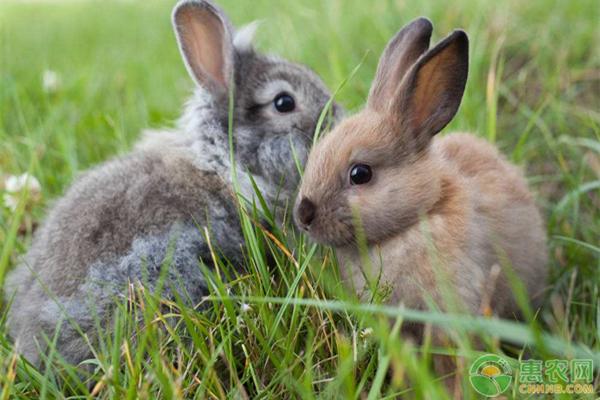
<point x="306" y="212"/>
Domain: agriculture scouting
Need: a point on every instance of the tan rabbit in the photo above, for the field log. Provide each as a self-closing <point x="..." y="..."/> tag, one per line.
<point x="450" y="213"/>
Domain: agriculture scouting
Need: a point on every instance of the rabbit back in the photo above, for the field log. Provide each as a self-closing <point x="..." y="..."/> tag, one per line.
<point x="114" y="227"/>
<point x="136" y="196"/>
<point x="505" y="208"/>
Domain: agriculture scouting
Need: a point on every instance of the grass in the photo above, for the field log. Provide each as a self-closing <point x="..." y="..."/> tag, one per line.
<point x="290" y="331"/>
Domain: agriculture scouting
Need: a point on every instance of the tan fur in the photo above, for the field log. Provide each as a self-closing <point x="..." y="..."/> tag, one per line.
<point x="439" y="215"/>
<point x="471" y="215"/>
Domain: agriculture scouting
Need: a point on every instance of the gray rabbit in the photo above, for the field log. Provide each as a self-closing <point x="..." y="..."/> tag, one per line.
<point x="118" y="221"/>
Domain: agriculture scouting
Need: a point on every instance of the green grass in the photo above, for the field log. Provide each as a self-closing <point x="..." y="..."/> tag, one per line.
<point x="534" y="89"/>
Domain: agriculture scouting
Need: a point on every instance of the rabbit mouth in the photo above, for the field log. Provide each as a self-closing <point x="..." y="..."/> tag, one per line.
<point x="337" y="232"/>
<point x="277" y="157"/>
<point x="307" y="137"/>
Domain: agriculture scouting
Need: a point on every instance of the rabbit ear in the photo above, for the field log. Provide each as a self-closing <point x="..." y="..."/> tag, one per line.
<point x="400" y="54"/>
<point x="204" y="35"/>
<point x="243" y="38"/>
<point x="431" y="92"/>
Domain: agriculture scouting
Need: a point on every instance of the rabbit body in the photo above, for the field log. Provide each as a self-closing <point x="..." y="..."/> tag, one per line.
<point x="482" y="205"/>
<point x="121" y="221"/>
<point x="444" y="219"/>
<point x="111" y="229"/>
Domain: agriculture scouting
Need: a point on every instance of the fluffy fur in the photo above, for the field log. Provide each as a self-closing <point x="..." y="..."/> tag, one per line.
<point x="116" y="222"/>
<point x="441" y="217"/>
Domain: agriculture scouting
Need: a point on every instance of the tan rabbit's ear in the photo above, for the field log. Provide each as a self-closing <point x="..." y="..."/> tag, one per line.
<point x="203" y="32"/>
<point x="431" y="91"/>
<point x="401" y="52"/>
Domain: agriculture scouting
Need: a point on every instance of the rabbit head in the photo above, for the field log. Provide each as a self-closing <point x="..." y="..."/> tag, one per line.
<point x="375" y="168"/>
<point x="276" y="103"/>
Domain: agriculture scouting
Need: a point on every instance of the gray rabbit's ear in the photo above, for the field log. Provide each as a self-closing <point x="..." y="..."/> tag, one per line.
<point x="245" y="36"/>
<point x="401" y="52"/>
<point x="203" y="32"/>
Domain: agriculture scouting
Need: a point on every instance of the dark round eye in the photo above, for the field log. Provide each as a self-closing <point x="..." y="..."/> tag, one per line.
<point x="284" y="103"/>
<point x="360" y="174"/>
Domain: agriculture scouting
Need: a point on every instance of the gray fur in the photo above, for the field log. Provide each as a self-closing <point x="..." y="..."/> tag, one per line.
<point x="117" y="220"/>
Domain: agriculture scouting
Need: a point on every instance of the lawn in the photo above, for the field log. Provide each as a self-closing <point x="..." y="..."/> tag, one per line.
<point x="290" y="331"/>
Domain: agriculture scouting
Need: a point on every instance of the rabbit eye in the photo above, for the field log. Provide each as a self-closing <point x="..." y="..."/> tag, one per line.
<point x="360" y="174"/>
<point x="284" y="103"/>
